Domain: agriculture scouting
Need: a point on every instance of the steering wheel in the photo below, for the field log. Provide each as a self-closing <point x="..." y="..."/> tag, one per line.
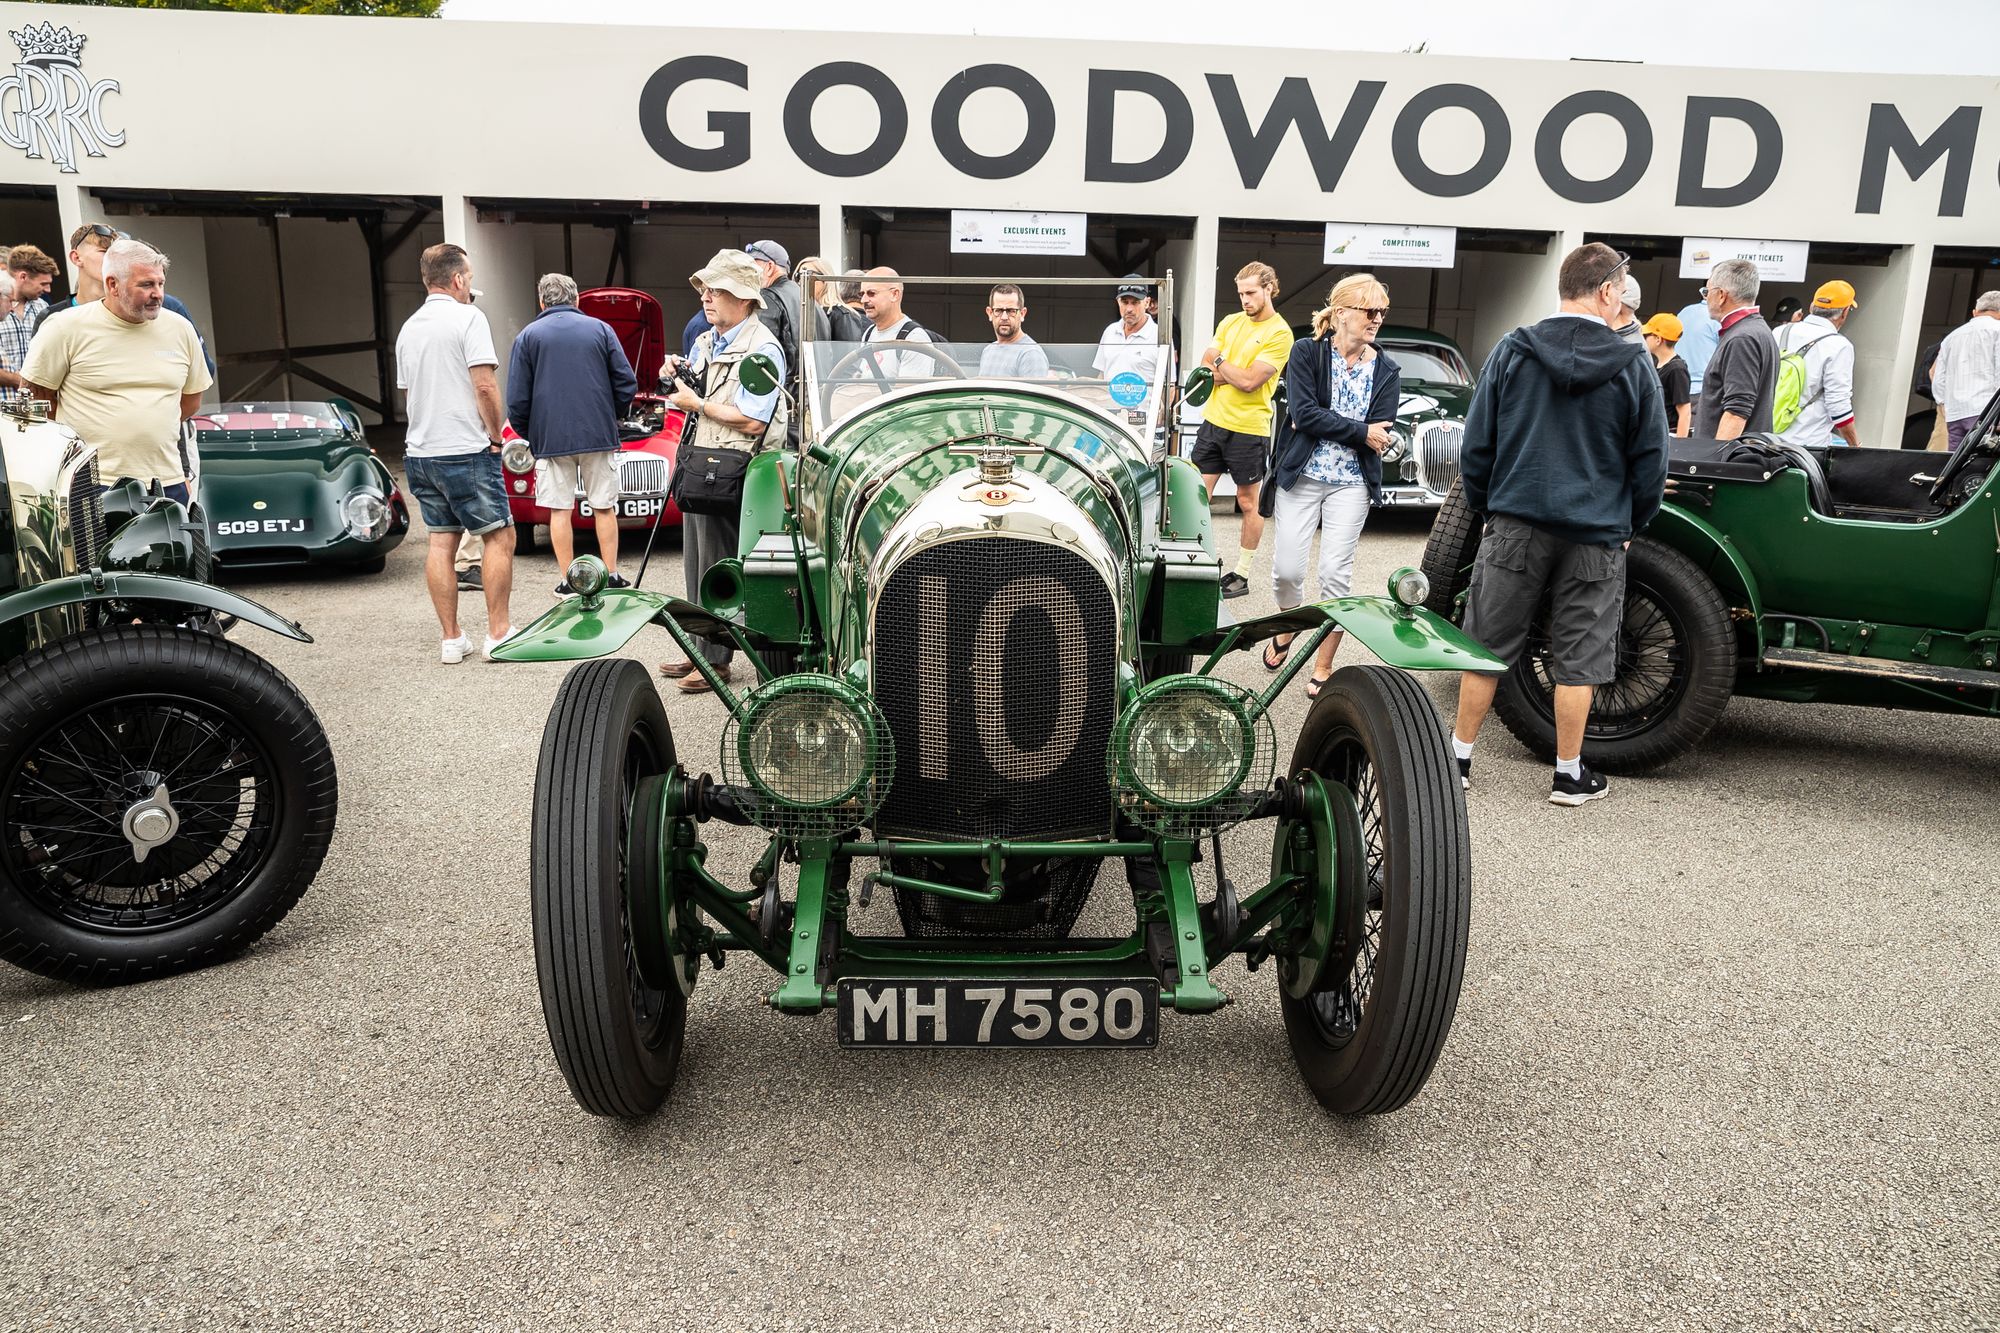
<point x="1975" y="443"/>
<point x="931" y="350"/>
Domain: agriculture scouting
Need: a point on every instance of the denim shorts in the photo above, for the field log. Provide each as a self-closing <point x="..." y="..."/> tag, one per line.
<point x="460" y="492"/>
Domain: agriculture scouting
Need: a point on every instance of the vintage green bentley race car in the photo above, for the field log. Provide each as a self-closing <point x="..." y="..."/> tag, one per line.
<point x="295" y="483"/>
<point x="1828" y="575"/>
<point x="165" y="795"/>
<point x="986" y="629"/>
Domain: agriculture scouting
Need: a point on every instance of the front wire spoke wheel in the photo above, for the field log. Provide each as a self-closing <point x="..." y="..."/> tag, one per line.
<point x="165" y="798"/>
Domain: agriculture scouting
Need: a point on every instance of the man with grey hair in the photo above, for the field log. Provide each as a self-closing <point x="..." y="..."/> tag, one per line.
<point x="1966" y="374"/>
<point x="568" y="385"/>
<point x="1742" y="376"/>
<point x="1627" y="326"/>
<point x="124" y="372"/>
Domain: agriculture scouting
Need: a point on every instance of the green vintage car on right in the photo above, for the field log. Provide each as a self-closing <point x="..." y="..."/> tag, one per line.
<point x="1811" y="575"/>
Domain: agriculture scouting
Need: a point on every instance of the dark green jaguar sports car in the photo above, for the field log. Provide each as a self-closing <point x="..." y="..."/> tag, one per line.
<point x="290" y="483"/>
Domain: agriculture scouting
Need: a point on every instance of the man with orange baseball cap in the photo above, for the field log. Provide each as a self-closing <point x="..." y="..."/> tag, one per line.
<point x="1661" y="332"/>
<point x="1826" y="408"/>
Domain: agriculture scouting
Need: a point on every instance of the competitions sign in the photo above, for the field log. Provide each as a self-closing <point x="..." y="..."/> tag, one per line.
<point x="979" y="232"/>
<point x="1776" y="261"/>
<point x="1376" y="245"/>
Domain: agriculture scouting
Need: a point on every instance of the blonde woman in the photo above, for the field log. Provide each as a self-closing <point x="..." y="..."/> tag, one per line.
<point x="1341" y="393"/>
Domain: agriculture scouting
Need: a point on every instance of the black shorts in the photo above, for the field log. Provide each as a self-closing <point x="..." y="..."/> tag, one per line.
<point x="1217" y="451"/>
<point x="1522" y="569"/>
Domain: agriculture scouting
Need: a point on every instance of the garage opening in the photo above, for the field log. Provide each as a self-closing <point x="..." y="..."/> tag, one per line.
<point x="918" y="241"/>
<point x="1491" y="286"/>
<point x="646" y="244"/>
<point x="298" y="296"/>
<point x="1959" y="276"/>
<point x="1880" y="379"/>
<point x="29" y="216"/>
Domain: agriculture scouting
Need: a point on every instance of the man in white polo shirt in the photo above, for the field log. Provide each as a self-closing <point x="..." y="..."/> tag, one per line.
<point x="1131" y="341"/>
<point x="445" y="365"/>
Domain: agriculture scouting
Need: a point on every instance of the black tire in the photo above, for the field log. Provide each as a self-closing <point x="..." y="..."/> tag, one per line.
<point x="1366" y="1041"/>
<point x="617" y="1040"/>
<point x="1448" y="555"/>
<point x="524" y="537"/>
<point x="1676" y="671"/>
<point x="1170" y="662"/>
<point x="93" y="724"/>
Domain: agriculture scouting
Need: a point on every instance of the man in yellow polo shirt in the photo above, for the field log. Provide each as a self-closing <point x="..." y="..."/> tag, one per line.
<point x="1249" y="350"/>
<point x="123" y="372"/>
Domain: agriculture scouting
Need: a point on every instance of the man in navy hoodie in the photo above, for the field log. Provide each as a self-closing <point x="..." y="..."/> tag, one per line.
<point x="1565" y="455"/>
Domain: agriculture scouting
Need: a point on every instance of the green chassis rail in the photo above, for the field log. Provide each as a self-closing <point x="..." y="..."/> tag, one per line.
<point x="1172" y="943"/>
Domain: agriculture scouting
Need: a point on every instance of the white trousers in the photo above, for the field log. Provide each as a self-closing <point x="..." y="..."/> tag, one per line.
<point x="1336" y="514"/>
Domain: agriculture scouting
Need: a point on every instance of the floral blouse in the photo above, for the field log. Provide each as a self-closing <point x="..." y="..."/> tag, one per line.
<point x="1353" y="387"/>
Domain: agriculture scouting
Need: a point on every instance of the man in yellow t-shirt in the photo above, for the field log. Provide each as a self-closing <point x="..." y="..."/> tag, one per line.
<point x="124" y="372"/>
<point x="1248" y="352"/>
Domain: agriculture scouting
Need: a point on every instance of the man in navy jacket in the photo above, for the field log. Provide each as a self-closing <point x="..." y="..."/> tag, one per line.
<point x="568" y="383"/>
<point x="1565" y="455"/>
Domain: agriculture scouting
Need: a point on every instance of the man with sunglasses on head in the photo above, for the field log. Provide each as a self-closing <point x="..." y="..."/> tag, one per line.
<point x="1565" y="457"/>
<point x="87" y="245"/>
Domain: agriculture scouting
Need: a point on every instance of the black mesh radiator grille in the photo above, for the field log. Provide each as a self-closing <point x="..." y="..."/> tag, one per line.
<point x="996" y="664"/>
<point x="86" y="516"/>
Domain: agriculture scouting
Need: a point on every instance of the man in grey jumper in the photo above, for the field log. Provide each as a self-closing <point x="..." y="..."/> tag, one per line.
<point x="1742" y="376"/>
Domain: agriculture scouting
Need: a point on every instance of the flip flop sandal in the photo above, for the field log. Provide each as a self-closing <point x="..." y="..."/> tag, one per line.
<point x="1315" y="684"/>
<point x="1276" y="664"/>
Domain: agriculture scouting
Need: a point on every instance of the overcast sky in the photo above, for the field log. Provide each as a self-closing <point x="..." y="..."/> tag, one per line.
<point x="1913" y="37"/>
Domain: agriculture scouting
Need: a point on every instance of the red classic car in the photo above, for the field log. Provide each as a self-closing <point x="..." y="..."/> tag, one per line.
<point x="650" y="434"/>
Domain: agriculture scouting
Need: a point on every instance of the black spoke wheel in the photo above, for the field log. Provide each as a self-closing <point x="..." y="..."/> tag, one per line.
<point x="617" y="1038"/>
<point x="166" y="796"/>
<point x="1676" y="670"/>
<point x="1369" y="1033"/>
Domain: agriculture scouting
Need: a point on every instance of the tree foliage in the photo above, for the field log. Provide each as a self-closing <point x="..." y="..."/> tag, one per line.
<point x="421" y="9"/>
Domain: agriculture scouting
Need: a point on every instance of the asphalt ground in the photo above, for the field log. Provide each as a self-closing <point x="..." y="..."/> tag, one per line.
<point x="1725" y="1058"/>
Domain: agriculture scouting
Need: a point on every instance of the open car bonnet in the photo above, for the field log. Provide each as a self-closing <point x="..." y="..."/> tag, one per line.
<point x="640" y="325"/>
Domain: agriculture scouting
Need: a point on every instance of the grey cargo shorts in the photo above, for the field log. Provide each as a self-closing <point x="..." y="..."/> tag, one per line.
<point x="1520" y="569"/>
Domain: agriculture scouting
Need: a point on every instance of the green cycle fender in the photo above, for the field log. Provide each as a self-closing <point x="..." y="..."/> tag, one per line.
<point x="131" y="587"/>
<point x="1407" y="637"/>
<point x="577" y="628"/>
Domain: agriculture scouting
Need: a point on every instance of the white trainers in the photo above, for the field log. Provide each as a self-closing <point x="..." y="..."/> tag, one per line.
<point x="492" y="643"/>
<point x="453" y="651"/>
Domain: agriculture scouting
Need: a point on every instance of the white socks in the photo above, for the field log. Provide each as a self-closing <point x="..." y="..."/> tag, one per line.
<point x="1246" y="561"/>
<point x="1571" y="768"/>
<point x="1460" y="749"/>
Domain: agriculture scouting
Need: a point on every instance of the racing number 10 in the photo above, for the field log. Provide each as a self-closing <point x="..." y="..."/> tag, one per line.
<point x="1076" y="1016"/>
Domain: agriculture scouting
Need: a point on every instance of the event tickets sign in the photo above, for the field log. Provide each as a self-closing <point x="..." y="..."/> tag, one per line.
<point x="1375" y="245"/>
<point x="974" y="232"/>
<point x="1776" y="261"/>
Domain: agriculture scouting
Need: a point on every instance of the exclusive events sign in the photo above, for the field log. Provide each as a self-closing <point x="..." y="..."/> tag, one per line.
<point x="981" y="232"/>
<point x="48" y="109"/>
<point x="1776" y="261"/>
<point x="1376" y="245"/>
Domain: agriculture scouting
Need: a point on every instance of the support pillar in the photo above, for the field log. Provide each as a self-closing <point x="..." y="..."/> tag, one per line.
<point x="503" y="268"/>
<point x="1887" y="333"/>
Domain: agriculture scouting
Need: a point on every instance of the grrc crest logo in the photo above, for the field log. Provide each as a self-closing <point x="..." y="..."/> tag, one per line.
<point x="47" y="107"/>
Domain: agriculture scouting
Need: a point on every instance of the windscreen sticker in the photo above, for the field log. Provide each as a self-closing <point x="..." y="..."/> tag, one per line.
<point x="1128" y="388"/>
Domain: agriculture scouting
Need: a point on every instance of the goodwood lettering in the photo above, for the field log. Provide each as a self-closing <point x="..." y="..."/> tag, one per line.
<point x="1296" y="110"/>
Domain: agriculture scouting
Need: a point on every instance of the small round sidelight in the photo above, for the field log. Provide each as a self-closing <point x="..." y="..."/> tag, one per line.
<point x="586" y="576"/>
<point x="1409" y="586"/>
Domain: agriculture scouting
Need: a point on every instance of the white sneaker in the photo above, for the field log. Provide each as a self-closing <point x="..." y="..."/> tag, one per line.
<point x="454" y="650"/>
<point x="492" y="643"/>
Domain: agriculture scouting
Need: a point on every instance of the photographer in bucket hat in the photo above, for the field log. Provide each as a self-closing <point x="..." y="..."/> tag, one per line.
<point x="728" y="417"/>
